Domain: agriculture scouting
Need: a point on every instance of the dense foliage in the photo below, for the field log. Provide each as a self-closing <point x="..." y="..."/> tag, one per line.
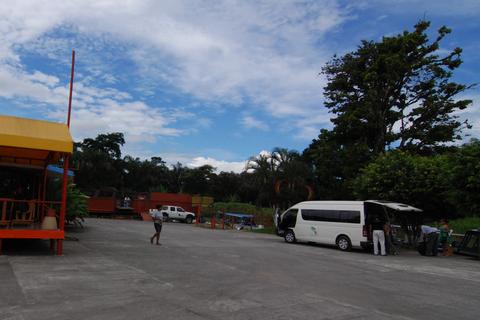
<point x="393" y="94"/>
<point x="77" y="208"/>
<point x="277" y="179"/>
<point x="399" y="176"/>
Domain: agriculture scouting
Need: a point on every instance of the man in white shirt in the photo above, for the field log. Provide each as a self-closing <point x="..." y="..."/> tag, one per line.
<point x="157" y="223"/>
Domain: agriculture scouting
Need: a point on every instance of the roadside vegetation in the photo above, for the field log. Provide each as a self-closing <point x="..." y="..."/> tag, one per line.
<point x="462" y="225"/>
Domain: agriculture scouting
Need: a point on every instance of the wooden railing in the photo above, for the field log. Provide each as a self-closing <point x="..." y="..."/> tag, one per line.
<point x="15" y="212"/>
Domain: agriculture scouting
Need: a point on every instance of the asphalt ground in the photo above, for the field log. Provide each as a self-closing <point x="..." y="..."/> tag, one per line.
<point x="113" y="272"/>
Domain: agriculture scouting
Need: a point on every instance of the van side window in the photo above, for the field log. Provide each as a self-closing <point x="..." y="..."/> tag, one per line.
<point x="289" y="219"/>
<point x="344" y="216"/>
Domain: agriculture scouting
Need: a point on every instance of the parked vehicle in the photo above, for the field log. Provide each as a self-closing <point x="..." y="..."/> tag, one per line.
<point x="341" y="223"/>
<point x="177" y="213"/>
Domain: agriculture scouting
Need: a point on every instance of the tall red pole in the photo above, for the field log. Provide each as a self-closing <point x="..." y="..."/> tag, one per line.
<point x="71" y="88"/>
<point x="66" y="158"/>
<point x="63" y="207"/>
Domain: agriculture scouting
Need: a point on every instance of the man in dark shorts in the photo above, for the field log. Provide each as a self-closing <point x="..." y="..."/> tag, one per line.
<point x="157" y="223"/>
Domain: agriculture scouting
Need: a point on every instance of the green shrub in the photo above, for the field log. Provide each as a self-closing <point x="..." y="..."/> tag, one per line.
<point x="77" y="207"/>
<point x="463" y="225"/>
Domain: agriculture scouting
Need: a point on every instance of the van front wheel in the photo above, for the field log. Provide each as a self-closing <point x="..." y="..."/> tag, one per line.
<point x="290" y="237"/>
<point x="343" y="243"/>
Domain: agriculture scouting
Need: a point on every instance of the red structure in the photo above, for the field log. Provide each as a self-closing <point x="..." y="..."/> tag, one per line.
<point x="106" y="204"/>
<point x="27" y="147"/>
<point x="102" y="205"/>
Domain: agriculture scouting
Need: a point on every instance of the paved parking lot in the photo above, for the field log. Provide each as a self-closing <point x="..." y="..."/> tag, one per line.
<point x="113" y="272"/>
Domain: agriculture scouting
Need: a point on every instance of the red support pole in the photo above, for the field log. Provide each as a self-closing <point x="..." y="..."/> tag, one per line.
<point x="213" y="222"/>
<point x="52" y="246"/>
<point x="59" y="247"/>
<point x="71" y="89"/>
<point x="223" y="221"/>
<point x="63" y="208"/>
<point x="39" y="196"/>
<point x="199" y="211"/>
<point x="44" y="193"/>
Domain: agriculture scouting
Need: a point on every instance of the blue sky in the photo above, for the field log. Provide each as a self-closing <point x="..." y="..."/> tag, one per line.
<point x="203" y="81"/>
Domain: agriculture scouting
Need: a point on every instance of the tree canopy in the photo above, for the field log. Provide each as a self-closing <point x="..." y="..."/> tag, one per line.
<point x="396" y="93"/>
<point x="398" y="90"/>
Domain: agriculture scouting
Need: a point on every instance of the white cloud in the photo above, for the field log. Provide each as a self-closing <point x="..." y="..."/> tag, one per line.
<point x="37" y="86"/>
<point x="137" y="120"/>
<point x="265" y="52"/>
<point x="219" y="165"/>
<point x="252" y="123"/>
<point x="428" y="8"/>
<point x="94" y="110"/>
<point x="191" y="161"/>
<point x="41" y="77"/>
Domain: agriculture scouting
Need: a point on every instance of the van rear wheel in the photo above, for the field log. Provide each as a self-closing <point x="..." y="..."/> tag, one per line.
<point x="344" y="243"/>
<point x="290" y="237"/>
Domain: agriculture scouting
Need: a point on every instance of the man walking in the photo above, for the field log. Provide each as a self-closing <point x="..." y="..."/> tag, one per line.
<point x="157" y="223"/>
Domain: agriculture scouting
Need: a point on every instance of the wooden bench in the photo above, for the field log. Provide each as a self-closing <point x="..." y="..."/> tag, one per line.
<point x="27" y="217"/>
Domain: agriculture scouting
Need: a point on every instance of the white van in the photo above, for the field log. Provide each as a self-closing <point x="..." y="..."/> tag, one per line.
<point x="340" y="223"/>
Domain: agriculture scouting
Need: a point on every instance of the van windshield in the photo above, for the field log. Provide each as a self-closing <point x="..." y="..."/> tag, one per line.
<point x="289" y="219"/>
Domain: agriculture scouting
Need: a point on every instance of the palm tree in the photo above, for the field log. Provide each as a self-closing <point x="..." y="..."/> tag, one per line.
<point x="263" y="169"/>
<point x="282" y="177"/>
<point x="292" y="178"/>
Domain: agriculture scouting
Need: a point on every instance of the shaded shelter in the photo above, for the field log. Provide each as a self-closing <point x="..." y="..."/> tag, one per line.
<point x="27" y="148"/>
<point x="240" y="218"/>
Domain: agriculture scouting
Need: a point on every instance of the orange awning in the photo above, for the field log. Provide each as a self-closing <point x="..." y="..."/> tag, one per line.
<point x="32" y="142"/>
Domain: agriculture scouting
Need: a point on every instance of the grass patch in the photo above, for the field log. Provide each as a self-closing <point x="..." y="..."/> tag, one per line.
<point x="266" y="230"/>
<point x="263" y="216"/>
<point x="464" y="224"/>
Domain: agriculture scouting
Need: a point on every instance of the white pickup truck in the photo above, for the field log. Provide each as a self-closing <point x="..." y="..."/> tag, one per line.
<point x="177" y="213"/>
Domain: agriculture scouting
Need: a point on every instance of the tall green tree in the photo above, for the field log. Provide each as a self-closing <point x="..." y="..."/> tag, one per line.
<point x="198" y="180"/>
<point x="394" y="93"/>
<point x="98" y="162"/>
<point x="282" y="177"/>
<point x="335" y="164"/>
<point x="464" y="191"/>
<point x="398" y="90"/>
<point x="143" y="176"/>
<point x="422" y="181"/>
<point x="263" y="171"/>
<point x="176" y="178"/>
<point x="225" y="186"/>
<point x="293" y="177"/>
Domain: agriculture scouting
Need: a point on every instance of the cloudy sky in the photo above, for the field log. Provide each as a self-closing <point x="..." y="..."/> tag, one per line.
<point x="202" y="81"/>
